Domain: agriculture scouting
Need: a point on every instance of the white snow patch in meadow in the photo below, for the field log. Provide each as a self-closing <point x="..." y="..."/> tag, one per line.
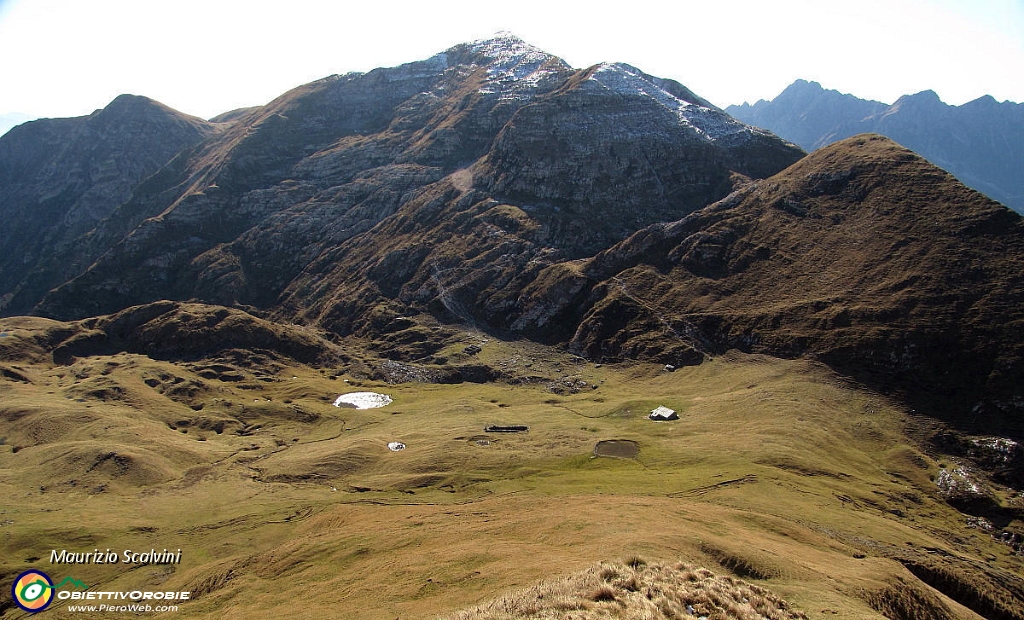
<point x="363" y="400"/>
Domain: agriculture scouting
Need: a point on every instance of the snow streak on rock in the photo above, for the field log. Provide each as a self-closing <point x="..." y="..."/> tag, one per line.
<point x="709" y="123"/>
<point x="512" y="64"/>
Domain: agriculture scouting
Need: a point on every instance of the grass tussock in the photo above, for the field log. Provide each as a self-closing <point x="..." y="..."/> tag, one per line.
<point x="637" y="590"/>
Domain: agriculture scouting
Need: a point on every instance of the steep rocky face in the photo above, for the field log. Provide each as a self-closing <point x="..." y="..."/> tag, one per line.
<point x="612" y="150"/>
<point x="863" y="255"/>
<point x="60" y="177"/>
<point x="337" y="169"/>
<point x="979" y="142"/>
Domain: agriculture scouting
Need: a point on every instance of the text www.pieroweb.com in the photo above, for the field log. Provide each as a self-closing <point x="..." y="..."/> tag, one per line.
<point x="131" y="608"/>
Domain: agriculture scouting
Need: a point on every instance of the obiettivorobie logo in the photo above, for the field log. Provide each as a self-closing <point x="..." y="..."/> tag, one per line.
<point x="33" y="590"/>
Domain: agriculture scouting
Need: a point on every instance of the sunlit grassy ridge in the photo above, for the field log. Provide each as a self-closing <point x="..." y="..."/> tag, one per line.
<point x="778" y="472"/>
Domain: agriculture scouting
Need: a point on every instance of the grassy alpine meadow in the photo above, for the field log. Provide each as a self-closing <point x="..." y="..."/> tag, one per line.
<point x="779" y="479"/>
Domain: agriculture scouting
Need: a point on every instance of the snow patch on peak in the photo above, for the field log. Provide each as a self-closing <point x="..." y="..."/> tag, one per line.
<point x="628" y="80"/>
<point x="503" y="44"/>
<point x="511" y="58"/>
<point x="709" y="123"/>
<point x="514" y="68"/>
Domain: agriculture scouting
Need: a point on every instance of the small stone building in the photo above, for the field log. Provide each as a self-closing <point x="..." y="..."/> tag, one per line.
<point x="663" y="413"/>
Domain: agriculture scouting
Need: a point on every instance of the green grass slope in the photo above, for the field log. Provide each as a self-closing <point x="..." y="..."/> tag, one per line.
<point x="778" y="472"/>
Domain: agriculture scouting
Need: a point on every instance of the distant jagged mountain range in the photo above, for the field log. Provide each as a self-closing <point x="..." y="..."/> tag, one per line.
<point x="980" y="142"/>
<point x="603" y="209"/>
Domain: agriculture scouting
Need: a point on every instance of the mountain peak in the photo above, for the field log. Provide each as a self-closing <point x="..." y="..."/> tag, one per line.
<point x="140" y="107"/>
<point x="127" y="99"/>
<point x="985" y="101"/>
<point x="505" y="46"/>
<point x="807" y="90"/>
<point x="925" y="97"/>
<point x="805" y="85"/>
<point x="924" y="102"/>
<point x="929" y="94"/>
<point x="502" y="41"/>
<point x="506" y="56"/>
<point x="803" y="93"/>
<point x="127" y="104"/>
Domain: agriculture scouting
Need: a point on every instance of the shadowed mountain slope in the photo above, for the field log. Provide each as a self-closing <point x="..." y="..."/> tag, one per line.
<point x="60" y="177"/>
<point x="587" y="156"/>
<point x="863" y="254"/>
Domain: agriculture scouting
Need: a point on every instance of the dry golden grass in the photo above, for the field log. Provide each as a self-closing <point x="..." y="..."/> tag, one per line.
<point x="283" y="505"/>
<point x="637" y="590"/>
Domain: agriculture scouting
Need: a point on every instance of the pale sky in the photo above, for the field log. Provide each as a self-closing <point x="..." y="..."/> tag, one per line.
<point x="204" y="57"/>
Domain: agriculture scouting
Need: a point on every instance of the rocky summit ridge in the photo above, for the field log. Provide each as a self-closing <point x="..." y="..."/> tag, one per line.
<point x="280" y="192"/>
<point x="604" y="209"/>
